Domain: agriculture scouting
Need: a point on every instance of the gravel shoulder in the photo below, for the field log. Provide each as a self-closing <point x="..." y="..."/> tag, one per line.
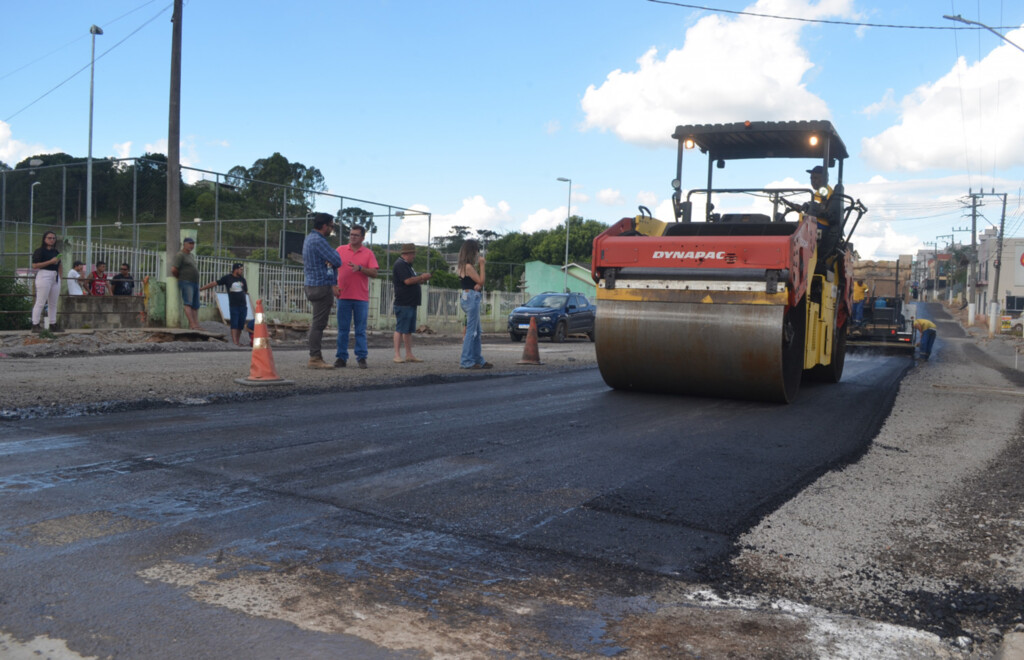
<point x="924" y="529"/>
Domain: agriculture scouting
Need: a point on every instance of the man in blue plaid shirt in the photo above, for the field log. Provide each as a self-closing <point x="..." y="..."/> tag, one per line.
<point x="320" y="262"/>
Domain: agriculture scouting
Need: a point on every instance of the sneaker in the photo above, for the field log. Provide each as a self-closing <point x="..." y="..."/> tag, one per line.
<point x="485" y="365"/>
<point x="317" y="363"/>
<point x="37" y="328"/>
<point x="361" y="362"/>
<point x="339" y="363"/>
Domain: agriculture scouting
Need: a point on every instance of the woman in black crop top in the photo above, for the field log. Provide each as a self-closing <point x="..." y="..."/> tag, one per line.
<point x="46" y="262"/>
<point x="472" y="283"/>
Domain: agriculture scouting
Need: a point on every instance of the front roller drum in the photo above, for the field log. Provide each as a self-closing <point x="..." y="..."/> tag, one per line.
<point x="736" y="351"/>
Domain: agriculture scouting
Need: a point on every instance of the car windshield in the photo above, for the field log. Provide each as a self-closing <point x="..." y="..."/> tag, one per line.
<point x="546" y="300"/>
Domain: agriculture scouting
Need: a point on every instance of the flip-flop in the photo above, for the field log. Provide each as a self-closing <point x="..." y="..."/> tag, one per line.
<point x="413" y="359"/>
<point x="398" y="360"/>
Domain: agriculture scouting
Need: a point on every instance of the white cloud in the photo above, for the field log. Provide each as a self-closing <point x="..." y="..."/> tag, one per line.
<point x="968" y="118"/>
<point x="729" y="69"/>
<point x="14" y="151"/>
<point x="647" y="198"/>
<point x="610" y="197"/>
<point x="123" y="150"/>
<point x="544" y="219"/>
<point x="903" y="214"/>
<point x="475" y="213"/>
<point x="886" y="104"/>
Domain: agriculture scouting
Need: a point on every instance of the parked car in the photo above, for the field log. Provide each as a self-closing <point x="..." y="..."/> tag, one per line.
<point x="558" y="316"/>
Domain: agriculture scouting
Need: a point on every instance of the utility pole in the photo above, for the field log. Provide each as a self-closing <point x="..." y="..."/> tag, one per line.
<point x="971" y="289"/>
<point x="994" y="305"/>
<point x="174" y="158"/>
<point x="949" y="246"/>
<point x="935" y="262"/>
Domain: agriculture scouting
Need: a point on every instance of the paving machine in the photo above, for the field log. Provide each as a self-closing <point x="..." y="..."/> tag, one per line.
<point x="740" y="304"/>
<point x="887" y="319"/>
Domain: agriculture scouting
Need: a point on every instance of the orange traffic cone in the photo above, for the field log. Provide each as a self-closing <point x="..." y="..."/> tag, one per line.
<point x="262" y="370"/>
<point x="531" y="352"/>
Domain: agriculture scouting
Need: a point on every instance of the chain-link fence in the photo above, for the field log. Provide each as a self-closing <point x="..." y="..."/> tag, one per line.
<point x="233" y="216"/>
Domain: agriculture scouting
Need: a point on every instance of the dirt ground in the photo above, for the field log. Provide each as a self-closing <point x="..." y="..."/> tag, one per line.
<point x="94" y="371"/>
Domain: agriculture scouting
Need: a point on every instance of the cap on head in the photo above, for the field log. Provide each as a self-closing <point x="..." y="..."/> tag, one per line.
<point x="189" y="239"/>
<point x="236" y="266"/>
<point x="408" y="248"/>
<point x="818" y="169"/>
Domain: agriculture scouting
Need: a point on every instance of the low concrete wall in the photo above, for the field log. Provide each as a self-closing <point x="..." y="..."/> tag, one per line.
<point x="104" y="312"/>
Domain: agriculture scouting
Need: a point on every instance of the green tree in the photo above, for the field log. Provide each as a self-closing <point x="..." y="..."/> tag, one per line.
<point x="551" y="247"/>
<point x="275" y="184"/>
<point x="350" y="217"/>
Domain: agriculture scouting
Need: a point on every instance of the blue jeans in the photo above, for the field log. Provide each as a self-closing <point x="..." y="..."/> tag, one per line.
<point x="189" y="293"/>
<point x="927" y="340"/>
<point x="471" y="350"/>
<point x="858" y="311"/>
<point x="349" y="311"/>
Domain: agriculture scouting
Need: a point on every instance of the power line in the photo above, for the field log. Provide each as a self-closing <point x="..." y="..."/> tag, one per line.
<point x="824" y="21"/>
<point x="73" y="41"/>
<point x="98" y="57"/>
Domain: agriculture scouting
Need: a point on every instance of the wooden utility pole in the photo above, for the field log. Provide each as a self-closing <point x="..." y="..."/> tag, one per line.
<point x="174" y="141"/>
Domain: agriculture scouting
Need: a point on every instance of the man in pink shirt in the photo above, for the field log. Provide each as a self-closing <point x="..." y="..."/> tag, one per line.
<point x="358" y="265"/>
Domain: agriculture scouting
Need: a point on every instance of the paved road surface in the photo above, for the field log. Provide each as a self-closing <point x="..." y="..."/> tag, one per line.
<point x="114" y="521"/>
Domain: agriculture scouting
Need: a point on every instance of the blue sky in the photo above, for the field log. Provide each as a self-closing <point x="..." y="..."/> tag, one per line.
<point x="472" y="110"/>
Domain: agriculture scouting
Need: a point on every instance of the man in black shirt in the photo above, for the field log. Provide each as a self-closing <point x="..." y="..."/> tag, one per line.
<point x="124" y="284"/>
<point x="407" y="299"/>
<point x="238" y="294"/>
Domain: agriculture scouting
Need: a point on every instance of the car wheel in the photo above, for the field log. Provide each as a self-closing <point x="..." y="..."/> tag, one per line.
<point x="558" y="336"/>
<point x="514" y="337"/>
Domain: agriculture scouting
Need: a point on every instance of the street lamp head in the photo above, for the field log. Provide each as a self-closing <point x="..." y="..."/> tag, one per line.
<point x="95" y="29"/>
<point x="563" y="179"/>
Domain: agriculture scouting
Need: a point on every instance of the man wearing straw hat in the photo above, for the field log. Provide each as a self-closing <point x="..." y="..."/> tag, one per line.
<point x="407" y="298"/>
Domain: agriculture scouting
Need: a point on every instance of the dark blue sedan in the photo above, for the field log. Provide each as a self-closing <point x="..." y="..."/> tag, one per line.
<point x="558" y="316"/>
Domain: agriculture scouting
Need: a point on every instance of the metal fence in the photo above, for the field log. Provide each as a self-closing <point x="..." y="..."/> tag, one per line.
<point x="233" y="216"/>
<point x="281" y="287"/>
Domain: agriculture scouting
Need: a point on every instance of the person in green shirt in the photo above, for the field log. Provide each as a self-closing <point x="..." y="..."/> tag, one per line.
<point x="184" y="268"/>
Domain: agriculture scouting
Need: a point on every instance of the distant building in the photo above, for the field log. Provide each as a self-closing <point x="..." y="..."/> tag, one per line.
<point x="1010" y="294"/>
<point x="540" y="277"/>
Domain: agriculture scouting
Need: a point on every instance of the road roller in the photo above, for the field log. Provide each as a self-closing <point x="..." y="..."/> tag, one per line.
<point x="741" y="303"/>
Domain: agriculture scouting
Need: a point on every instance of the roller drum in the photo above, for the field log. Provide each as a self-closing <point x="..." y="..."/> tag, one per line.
<point x="737" y="351"/>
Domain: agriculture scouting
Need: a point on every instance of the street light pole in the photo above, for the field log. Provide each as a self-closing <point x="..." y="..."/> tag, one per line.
<point x="31" y="216"/>
<point x="961" y="19"/>
<point x="568" y="214"/>
<point x="94" y="30"/>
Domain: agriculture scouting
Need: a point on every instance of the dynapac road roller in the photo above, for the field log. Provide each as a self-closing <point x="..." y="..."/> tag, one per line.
<point x="740" y="304"/>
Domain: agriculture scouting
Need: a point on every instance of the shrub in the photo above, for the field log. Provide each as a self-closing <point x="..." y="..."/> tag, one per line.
<point x="15" y="303"/>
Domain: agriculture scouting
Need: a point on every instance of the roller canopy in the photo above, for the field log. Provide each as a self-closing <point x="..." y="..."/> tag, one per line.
<point x="764" y="139"/>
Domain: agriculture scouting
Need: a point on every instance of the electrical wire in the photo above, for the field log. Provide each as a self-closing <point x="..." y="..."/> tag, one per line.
<point x="825" y="21"/>
<point x="98" y="57"/>
<point x="73" y="41"/>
